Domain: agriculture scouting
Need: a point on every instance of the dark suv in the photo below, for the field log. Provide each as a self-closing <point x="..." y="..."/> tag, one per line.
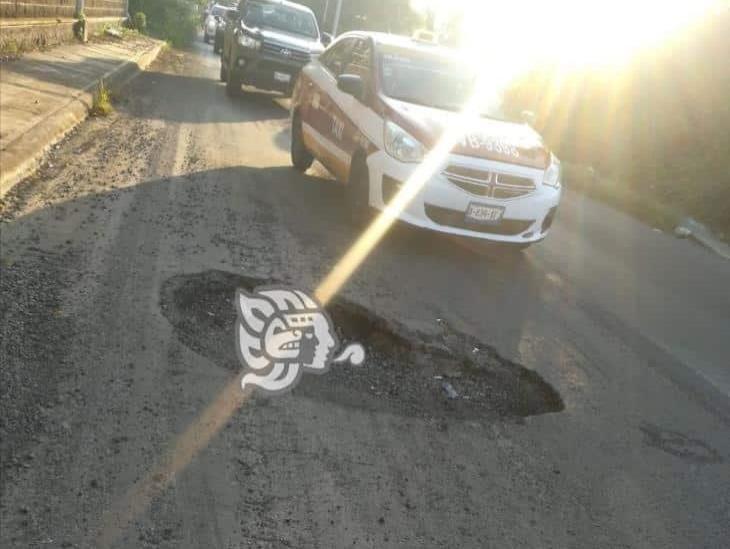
<point x="266" y="44"/>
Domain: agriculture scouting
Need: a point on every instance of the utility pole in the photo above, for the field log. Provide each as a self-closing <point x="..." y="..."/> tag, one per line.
<point x="326" y="13"/>
<point x="338" y="12"/>
<point x="79" y="8"/>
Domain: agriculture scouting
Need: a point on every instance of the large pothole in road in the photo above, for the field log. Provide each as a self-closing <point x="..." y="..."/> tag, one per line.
<point x="406" y="372"/>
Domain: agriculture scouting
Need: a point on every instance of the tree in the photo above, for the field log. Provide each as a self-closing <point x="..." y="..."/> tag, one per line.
<point x="173" y="20"/>
<point x="394" y="16"/>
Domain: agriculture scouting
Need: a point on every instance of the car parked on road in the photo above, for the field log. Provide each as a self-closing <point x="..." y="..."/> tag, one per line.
<point x="229" y="15"/>
<point x="372" y="106"/>
<point x="268" y="44"/>
<point x="215" y="17"/>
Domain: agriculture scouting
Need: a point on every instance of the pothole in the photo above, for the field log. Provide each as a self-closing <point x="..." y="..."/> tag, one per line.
<point x="405" y="372"/>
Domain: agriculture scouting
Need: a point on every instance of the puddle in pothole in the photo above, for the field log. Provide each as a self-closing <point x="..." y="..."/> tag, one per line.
<point x="404" y="372"/>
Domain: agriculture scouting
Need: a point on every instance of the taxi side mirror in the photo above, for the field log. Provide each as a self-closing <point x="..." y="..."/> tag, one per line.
<point x="352" y="84"/>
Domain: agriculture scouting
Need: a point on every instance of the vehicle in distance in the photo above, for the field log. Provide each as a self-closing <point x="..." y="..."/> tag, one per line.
<point x="220" y="29"/>
<point x="372" y="106"/>
<point x="268" y="44"/>
<point x="215" y="16"/>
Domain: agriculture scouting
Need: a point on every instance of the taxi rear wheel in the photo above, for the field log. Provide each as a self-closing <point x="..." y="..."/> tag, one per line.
<point x="301" y="158"/>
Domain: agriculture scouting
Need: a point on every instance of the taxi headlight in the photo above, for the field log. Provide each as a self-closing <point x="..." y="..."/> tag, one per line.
<point x="401" y="145"/>
<point x="553" y="173"/>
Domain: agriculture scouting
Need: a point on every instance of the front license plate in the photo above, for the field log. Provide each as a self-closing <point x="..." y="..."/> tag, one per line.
<point x="481" y="213"/>
<point x="282" y="77"/>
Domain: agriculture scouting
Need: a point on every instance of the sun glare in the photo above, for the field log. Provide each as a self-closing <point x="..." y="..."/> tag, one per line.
<point x="575" y="33"/>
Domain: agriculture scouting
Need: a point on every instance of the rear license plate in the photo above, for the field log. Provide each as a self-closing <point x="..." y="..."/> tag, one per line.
<point x="481" y="213"/>
<point x="282" y="77"/>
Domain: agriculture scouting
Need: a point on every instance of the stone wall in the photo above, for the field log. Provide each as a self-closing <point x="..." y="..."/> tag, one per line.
<point x="38" y="9"/>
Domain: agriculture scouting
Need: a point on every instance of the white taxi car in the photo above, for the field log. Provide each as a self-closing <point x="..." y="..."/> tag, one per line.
<point x="372" y="106"/>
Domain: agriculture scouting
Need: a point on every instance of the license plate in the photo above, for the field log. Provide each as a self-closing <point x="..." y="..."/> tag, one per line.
<point x="481" y="213"/>
<point x="282" y="77"/>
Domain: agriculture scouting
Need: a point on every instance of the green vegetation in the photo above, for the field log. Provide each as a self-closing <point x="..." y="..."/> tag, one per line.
<point x="396" y="16"/>
<point x="10" y="48"/>
<point x="102" y="101"/>
<point x="176" y="21"/>
<point x="655" y="132"/>
<point x="637" y="202"/>
<point x="80" y="26"/>
<point x="139" y="21"/>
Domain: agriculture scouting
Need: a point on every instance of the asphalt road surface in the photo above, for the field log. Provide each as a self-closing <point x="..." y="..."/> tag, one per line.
<point x="591" y="374"/>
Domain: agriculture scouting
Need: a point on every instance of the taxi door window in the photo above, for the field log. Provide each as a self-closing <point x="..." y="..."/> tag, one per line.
<point x="360" y="62"/>
<point x="337" y="58"/>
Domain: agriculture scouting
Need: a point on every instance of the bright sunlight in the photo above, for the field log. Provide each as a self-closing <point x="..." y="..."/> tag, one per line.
<point x="576" y="33"/>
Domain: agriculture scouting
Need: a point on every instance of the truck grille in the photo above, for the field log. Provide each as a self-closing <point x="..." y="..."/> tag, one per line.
<point x="286" y="53"/>
<point x="489" y="184"/>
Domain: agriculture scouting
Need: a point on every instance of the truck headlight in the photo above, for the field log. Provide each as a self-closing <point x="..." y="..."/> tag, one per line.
<point x="401" y="145"/>
<point x="553" y="173"/>
<point x="249" y="42"/>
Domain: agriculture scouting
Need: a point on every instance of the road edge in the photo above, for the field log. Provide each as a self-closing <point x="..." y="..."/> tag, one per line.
<point x="23" y="155"/>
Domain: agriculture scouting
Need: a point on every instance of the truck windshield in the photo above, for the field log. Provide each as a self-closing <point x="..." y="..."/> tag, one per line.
<point x="280" y="17"/>
<point x="433" y="81"/>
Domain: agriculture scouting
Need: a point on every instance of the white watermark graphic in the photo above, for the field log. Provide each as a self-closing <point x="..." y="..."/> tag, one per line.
<point x="283" y="333"/>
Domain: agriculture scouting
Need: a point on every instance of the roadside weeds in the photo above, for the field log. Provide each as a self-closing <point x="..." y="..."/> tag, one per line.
<point x="630" y="200"/>
<point x="101" y="104"/>
<point x="636" y="201"/>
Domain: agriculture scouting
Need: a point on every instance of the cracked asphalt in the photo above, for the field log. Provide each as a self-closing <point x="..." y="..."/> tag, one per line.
<point x="591" y="373"/>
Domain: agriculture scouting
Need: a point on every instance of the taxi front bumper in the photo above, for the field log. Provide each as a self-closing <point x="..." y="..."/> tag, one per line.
<point x="441" y="204"/>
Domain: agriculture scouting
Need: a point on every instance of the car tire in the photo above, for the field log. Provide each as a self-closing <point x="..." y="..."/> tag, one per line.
<point x="358" y="192"/>
<point x="233" y="84"/>
<point x="301" y="158"/>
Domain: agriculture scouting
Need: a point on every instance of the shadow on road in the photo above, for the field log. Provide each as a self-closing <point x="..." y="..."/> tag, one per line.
<point x="244" y="216"/>
<point x="193" y="99"/>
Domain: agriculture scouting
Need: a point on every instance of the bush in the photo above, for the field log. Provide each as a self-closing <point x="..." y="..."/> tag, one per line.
<point x="79" y="27"/>
<point x="171" y="20"/>
<point x="139" y="21"/>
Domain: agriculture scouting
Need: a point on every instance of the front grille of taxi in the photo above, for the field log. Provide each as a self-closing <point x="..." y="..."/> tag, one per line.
<point x="489" y="184"/>
<point x="279" y="51"/>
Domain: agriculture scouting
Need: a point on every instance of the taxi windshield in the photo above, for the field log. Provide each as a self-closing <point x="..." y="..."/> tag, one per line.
<point x="431" y="80"/>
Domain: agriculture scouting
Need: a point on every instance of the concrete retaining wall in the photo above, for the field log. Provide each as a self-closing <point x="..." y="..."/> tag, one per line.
<point x="36" y="9"/>
<point x="23" y="35"/>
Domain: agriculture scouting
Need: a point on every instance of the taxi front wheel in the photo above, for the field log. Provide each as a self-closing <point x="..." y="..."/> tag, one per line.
<point x="358" y="192"/>
<point x="301" y="158"/>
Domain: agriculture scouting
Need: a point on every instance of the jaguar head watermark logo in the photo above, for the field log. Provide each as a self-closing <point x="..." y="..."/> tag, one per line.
<point x="283" y="333"/>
